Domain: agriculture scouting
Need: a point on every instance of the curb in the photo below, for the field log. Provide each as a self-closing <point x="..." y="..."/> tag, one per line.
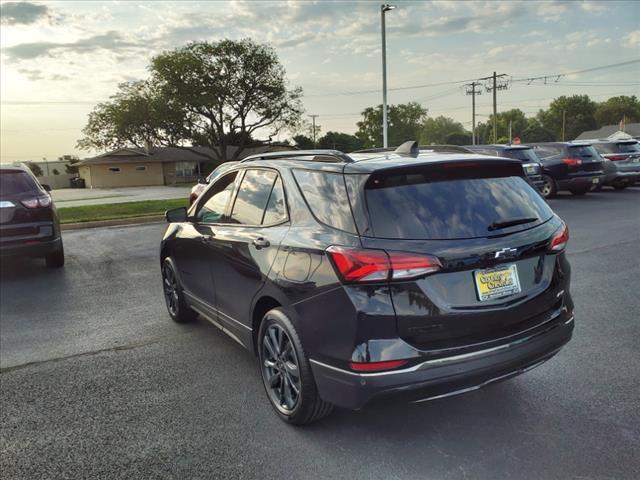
<point x="114" y="223"/>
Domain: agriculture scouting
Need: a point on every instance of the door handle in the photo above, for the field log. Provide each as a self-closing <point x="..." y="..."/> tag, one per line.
<point x="261" y="242"/>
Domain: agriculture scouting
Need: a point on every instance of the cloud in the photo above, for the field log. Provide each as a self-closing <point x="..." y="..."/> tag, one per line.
<point x="632" y="39"/>
<point x="22" y="13"/>
<point x="111" y="40"/>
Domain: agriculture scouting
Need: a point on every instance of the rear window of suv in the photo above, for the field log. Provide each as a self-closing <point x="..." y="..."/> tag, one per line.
<point x="413" y="207"/>
<point x="13" y="182"/>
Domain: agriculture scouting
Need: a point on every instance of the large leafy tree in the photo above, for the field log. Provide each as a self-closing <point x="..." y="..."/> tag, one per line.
<point x="404" y="123"/>
<point x="220" y="95"/>
<point x="440" y="130"/>
<point x="535" y="132"/>
<point x="340" y="141"/>
<point x="579" y="111"/>
<point x="514" y="117"/>
<point x="616" y="109"/>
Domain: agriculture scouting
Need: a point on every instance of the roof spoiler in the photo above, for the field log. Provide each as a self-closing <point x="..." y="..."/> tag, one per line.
<point x="408" y="148"/>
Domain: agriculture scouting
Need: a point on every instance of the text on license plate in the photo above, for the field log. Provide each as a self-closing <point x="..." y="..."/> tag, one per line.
<point x="497" y="282"/>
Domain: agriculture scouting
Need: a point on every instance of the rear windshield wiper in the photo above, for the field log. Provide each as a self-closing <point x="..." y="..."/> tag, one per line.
<point x="511" y="223"/>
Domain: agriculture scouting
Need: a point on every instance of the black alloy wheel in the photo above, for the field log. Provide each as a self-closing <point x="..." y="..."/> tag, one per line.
<point x="280" y="369"/>
<point x="173" y="296"/>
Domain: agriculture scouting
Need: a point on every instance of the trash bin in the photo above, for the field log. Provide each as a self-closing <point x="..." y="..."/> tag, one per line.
<point x="77" y="182"/>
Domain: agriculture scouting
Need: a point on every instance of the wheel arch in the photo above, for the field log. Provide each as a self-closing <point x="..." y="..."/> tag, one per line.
<point x="261" y="307"/>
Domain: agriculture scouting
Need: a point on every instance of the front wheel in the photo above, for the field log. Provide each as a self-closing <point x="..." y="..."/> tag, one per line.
<point x="286" y="373"/>
<point x="173" y="295"/>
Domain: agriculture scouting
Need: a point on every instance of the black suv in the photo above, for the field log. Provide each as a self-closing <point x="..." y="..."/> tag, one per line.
<point x="576" y="167"/>
<point x="354" y="277"/>
<point x="29" y="223"/>
<point x="531" y="164"/>
<point x="622" y="162"/>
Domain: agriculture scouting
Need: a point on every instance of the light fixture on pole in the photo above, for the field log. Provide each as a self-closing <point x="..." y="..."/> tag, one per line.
<point x="383" y="9"/>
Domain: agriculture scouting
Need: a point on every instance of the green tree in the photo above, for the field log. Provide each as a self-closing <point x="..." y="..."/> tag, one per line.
<point x="303" y="142"/>
<point x="437" y="130"/>
<point x="457" y="138"/>
<point x="612" y="111"/>
<point x="579" y="111"/>
<point x="404" y="123"/>
<point x="535" y="132"/>
<point x="515" y="117"/>
<point x="340" y="141"/>
<point x="219" y="95"/>
<point x="35" y="168"/>
<point x="55" y="171"/>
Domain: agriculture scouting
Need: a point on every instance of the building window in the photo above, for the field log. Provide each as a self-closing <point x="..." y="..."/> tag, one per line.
<point x="186" y="169"/>
<point x="141" y="168"/>
<point x="114" y="169"/>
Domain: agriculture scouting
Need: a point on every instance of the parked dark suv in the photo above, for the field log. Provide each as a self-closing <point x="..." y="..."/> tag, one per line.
<point x="576" y="167"/>
<point x="355" y="277"/>
<point x="531" y="164"/>
<point x="29" y="223"/>
<point x="622" y="162"/>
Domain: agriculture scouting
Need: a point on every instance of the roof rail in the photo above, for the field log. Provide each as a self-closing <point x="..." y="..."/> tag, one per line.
<point x="331" y="156"/>
<point x="412" y="147"/>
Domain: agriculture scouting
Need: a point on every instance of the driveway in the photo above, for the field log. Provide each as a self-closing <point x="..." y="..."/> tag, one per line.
<point x="75" y="197"/>
<point x="98" y="382"/>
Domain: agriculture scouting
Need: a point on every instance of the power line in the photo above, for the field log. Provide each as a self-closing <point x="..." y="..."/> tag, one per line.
<point x="557" y="76"/>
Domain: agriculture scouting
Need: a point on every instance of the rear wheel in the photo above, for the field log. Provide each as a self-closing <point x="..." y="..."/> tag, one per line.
<point x="549" y="188"/>
<point x="286" y="373"/>
<point x="173" y="295"/>
<point x="55" y="259"/>
<point x="620" y="186"/>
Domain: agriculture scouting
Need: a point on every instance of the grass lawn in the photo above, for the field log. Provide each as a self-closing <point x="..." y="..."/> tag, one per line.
<point x="110" y="211"/>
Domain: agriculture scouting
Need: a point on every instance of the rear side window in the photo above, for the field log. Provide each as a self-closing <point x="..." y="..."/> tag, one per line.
<point x="14" y="182"/>
<point x="276" y="210"/>
<point x="252" y="198"/>
<point x="526" y="155"/>
<point x="326" y="196"/>
<point x="412" y="207"/>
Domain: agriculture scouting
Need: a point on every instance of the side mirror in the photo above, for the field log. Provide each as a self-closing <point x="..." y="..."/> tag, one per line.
<point x="203" y="180"/>
<point x="176" y="215"/>
<point x="46" y="187"/>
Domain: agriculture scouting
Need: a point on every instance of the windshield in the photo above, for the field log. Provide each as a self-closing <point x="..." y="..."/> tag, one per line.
<point x="411" y="207"/>
<point x="527" y="155"/>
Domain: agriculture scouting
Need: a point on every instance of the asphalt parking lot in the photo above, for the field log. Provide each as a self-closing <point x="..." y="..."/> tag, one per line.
<point x="97" y="382"/>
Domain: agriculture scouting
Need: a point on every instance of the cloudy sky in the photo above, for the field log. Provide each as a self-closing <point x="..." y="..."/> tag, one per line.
<point x="60" y="58"/>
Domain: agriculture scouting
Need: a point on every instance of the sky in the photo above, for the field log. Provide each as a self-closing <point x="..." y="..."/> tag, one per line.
<point x="58" y="59"/>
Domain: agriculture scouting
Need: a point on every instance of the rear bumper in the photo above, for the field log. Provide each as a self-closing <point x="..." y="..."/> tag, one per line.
<point x="621" y="177"/>
<point x="581" y="182"/>
<point x="443" y="376"/>
<point x="30" y="248"/>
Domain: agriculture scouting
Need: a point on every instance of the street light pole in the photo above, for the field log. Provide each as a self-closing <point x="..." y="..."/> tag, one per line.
<point x="383" y="9"/>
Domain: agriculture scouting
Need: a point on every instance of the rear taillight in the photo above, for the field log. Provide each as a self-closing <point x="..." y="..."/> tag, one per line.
<point x="368" y="265"/>
<point x="615" y="158"/>
<point x="572" y="162"/>
<point x="376" y="366"/>
<point x="37" y="202"/>
<point x="559" y="239"/>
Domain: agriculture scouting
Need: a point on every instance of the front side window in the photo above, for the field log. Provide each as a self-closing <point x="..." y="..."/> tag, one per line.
<point x="214" y="204"/>
<point x="252" y="198"/>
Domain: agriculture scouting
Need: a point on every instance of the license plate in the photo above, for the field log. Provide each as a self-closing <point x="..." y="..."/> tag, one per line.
<point x="497" y="282"/>
<point x="595" y="181"/>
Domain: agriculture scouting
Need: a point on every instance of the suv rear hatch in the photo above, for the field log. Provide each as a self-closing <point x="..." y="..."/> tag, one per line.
<point x="583" y="159"/>
<point x="484" y="223"/>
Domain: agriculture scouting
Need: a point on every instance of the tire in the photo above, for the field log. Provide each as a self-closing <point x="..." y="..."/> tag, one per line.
<point x="280" y="357"/>
<point x="549" y="189"/>
<point x="579" y="192"/>
<point x="177" y="307"/>
<point x="620" y="186"/>
<point x="55" y="259"/>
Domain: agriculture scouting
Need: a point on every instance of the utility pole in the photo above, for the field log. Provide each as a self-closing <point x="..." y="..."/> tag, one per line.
<point x="510" y="134"/>
<point x="383" y="9"/>
<point x="471" y="90"/>
<point x="564" y="112"/>
<point x="503" y="85"/>
<point x="313" y="132"/>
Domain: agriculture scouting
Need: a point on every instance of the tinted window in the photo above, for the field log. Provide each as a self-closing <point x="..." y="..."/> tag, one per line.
<point x="326" y="196"/>
<point x="628" y="147"/>
<point x="252" y="197"/>
<point x="13" y="182"/>
<point x="546" y="151"/>
<point x="583" y="151"/>
<point x="527" y="155"/>
<point x="411" y="207"/>
<point x="216" y="199"/>
<point x="605" y="147"/>
<point x="276" y="210"/>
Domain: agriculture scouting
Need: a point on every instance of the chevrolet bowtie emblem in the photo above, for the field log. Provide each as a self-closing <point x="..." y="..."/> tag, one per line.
<point x="506" y="253"/>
